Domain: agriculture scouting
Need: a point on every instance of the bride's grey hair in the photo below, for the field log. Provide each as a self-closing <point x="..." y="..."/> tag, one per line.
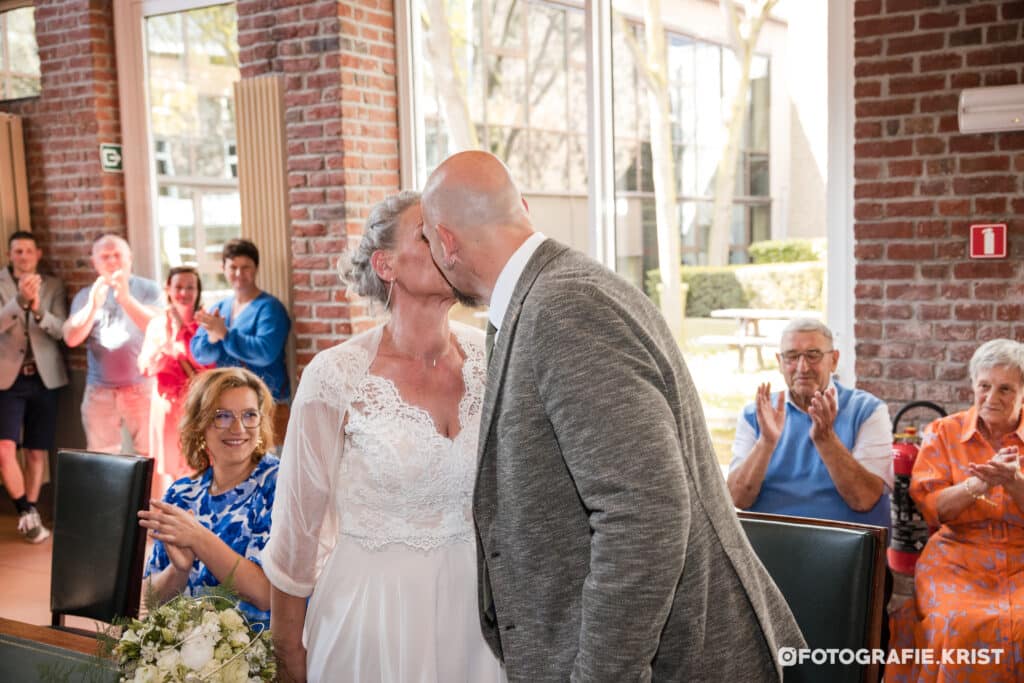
<point x="354" y="267"/>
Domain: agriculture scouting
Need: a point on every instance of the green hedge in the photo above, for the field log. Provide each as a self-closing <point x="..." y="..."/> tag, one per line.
<point x="782" y="251"/>
<point x="797" y="286"/>
<point x="709" y="288"/>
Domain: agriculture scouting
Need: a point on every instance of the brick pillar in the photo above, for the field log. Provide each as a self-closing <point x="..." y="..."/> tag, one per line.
<point x="922" y="306"/>
<point x="338" y="58"/>
<point x="72" y="200"/>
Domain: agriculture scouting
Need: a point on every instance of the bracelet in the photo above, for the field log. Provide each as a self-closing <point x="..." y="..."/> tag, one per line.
<point x="967" y="487"/>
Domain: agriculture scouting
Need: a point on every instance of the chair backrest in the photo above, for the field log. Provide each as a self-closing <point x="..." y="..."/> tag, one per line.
<point x="832" y="574"/>
<point x="98" y="546"/>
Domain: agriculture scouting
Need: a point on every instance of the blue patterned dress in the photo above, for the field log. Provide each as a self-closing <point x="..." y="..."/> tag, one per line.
<point x="239" y="517"/>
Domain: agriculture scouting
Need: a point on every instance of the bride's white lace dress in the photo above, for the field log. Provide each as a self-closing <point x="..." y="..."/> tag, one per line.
<point x="396" y="597"/>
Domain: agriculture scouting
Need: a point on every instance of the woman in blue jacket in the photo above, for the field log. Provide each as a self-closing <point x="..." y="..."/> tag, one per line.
<point x="248" y="329"/>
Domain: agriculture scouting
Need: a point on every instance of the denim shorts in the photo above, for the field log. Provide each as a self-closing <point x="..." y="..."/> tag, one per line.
<point x="29" y="404"/>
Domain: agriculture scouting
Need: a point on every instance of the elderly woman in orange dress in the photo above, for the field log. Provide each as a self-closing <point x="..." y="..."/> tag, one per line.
<point x="969" y="583"/>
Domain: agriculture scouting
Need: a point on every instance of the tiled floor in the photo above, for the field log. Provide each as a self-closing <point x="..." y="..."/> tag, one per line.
<point x="25" y="574"/>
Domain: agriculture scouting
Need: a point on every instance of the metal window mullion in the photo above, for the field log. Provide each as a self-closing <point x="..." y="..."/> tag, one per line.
<point x="600" y="132"/>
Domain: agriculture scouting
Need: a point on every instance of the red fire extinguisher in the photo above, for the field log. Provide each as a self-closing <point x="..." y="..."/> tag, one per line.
<point x="909" y="530"/>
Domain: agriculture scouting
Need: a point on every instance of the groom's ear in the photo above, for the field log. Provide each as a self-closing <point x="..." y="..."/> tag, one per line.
<point x="449" y="245"/>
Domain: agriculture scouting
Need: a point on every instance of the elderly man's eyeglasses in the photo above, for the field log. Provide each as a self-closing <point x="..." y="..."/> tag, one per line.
<point x="812" y="356"/>
<point x="223" y="419"/>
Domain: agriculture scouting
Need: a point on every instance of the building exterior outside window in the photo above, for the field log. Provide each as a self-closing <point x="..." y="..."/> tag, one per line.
<point x="509" y="76"/>
<point x="192" y="64"/>
<point x="19" y="54"/>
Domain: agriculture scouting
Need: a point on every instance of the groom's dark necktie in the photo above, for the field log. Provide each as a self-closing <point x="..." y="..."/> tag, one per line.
<point x="489" y="340"/>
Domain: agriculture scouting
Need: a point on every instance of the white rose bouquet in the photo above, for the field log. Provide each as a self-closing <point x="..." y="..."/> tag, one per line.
<point x="192" y="639"/>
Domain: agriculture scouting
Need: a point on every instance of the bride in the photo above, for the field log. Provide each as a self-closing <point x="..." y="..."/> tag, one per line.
<point x="372" y="521"/>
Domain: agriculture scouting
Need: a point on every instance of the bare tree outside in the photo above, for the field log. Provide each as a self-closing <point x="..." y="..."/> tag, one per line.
<point x="440" y="47"/>
<point x="652" y="63"/>
<point x="744" y="28"/>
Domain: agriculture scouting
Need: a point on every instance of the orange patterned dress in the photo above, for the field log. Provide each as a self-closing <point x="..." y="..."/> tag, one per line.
<point x="969" y="582"/>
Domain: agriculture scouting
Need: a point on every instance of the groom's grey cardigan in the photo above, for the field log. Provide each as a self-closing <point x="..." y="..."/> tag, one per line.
<point x="605" y="533"/>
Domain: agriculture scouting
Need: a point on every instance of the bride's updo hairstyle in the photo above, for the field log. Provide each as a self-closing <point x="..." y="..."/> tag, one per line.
<point x="354" y="266"/>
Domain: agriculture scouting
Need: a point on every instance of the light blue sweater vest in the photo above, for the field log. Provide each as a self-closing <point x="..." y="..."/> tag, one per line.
<point x="797" y="481"/>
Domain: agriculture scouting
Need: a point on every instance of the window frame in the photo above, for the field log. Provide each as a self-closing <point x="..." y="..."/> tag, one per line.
<point x="140" y="182"/>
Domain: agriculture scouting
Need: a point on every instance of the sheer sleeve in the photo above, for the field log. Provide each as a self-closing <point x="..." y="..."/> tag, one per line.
<point x="304" y="526"/>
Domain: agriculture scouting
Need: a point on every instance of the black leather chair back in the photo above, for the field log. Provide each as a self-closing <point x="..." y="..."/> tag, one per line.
<point x="98" y="546"/>
<point x="832" y="575"/>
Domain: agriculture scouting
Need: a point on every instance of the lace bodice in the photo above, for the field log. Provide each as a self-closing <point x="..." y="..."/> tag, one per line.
<point x="400" y="480"/>
<point x="360" y="461"/>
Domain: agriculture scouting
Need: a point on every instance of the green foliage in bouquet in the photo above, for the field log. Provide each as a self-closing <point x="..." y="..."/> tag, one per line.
<point x="192" y="639"/>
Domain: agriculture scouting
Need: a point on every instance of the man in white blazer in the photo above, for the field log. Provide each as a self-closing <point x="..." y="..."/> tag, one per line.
<point x="607" y="546"/>
<point x="32" y="312"/>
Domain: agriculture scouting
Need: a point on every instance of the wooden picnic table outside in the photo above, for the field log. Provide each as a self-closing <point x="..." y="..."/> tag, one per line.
<point x="748" y="331"/>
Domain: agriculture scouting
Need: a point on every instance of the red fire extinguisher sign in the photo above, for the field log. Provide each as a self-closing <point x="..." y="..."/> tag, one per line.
<point x="988" y="240"/>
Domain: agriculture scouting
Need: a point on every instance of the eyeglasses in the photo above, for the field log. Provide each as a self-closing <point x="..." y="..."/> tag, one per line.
<point x="223" y="419"/>
<point x="812" y="356"/>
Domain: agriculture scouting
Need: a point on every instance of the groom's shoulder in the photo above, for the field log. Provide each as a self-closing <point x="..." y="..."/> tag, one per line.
<point x="570" y="272"/>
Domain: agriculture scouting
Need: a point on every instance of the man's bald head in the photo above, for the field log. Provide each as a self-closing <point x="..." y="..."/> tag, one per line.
<point x="470" y="190"/>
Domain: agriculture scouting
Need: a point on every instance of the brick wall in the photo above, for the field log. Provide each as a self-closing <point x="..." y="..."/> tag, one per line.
<point x="338" y="58"/>
<point x="923" y="306"/>
<point x="71" y="200"/>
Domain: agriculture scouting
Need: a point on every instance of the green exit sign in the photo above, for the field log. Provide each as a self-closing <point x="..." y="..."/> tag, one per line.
<point x="110" y="158"/>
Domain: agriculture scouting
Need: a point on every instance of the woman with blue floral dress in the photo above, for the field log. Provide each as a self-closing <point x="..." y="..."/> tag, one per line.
<point x="214" y="525"/>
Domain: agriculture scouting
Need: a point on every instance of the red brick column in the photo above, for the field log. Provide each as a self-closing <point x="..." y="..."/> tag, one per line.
<point x="922" y="306"/>
<point x="72" y="200"/>
<point x="338" y="58"/>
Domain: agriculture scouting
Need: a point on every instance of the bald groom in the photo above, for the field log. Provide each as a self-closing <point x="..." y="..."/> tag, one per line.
<point x="608" y="547"/>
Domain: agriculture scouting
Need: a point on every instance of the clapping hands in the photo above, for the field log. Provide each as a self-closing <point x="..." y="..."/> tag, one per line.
<point x="770" y="418"/>
<point x="178" y="529"/>
<point x="1003" y="469"/>
<point x="213" y="323"/>
<point x="28" y="290"/>
<point x="822" y="410"/>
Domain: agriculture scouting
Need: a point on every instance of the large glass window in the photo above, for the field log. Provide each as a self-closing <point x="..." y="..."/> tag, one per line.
<point x="19" y="55"/>
<point x="192" y="64"/>
<point x="701" y="79"/>
<point x="507" y="76"/>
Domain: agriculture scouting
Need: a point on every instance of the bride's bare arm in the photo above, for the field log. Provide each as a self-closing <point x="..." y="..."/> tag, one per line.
<point x="287" y="616"/>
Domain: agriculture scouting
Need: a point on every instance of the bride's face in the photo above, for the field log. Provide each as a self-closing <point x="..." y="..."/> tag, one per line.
<point x="414" y="268"/>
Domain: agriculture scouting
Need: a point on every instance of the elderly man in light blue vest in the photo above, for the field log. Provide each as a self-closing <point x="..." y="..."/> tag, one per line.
<point x="818" y="449"/>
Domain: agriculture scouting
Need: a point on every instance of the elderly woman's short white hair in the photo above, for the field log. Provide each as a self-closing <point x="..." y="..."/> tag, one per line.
<point x="998" y="353"/>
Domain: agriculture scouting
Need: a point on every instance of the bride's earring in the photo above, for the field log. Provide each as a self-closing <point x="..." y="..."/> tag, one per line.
<point x="391" y="288"/>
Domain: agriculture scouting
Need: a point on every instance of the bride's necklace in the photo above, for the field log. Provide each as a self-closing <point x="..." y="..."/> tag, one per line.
<point x="427" y="361"/>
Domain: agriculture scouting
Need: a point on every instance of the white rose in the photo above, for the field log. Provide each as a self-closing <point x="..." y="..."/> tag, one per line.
<point x="237" y="671"/>
<point x="147" y="674"/>
<point x="223" y="651"/>
<point x="130" y="636"/>
<point x="196" y="651"/>
<point x="230" y="619"/>
<point x="238" y="638"/>
<point x="168" y="661"/>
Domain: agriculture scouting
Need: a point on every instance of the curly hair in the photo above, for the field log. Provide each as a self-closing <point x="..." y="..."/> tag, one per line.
<point x="379" y="233"/>
<point x="204" y="391"/>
